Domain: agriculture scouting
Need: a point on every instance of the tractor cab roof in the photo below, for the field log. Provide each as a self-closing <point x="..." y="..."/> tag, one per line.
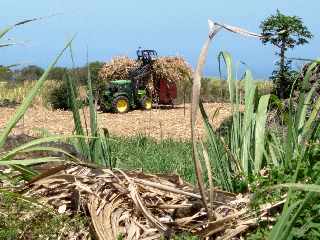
<point x="121" y="81"/>
<point x="147" y="55"/>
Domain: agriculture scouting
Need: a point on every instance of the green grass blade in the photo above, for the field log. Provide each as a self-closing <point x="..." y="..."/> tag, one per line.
<point x="51" y="149"/>
<point x="34" y="143"/>
<point x="260" y="128"/>
<point x="230" y="78"/>
<point x="218" y="155"/>
<point x="281" y="225"/>
<point x="302" y="112"/>
<point x="26" y="172"/>
<point x="84" y="148"/>
<point x="105" y="149"/>
<point x="28" y="100"/>
<point x="28" y="162"/>
<point x="313" y="117"/>
<point x="248" y="123"/>
<point x="3" y="32"/>
<point x="300" y="186"/>
<point x="93" y="114"/>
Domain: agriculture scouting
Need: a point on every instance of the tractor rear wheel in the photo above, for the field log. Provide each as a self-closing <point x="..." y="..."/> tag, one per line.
<point x="120" y="104"/>
<point x="147" y="103"/>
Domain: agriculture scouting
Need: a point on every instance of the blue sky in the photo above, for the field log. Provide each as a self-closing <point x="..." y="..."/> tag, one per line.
<point x="111" y="28"/>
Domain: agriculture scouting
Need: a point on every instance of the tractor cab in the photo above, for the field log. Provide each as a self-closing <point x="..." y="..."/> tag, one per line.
<point x="147" y="56"/>
<point x="121" y="95"/>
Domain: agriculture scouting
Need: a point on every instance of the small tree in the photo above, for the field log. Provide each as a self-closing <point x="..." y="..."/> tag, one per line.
<point x="284" y="32"/>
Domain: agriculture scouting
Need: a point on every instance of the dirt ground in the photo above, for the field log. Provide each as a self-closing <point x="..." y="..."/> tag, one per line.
<point x="157" y="123"/>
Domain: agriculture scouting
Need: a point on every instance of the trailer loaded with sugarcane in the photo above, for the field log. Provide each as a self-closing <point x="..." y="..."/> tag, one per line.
<point x="142" y="83"/>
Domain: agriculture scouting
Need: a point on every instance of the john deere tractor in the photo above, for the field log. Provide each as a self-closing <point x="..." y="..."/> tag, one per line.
<point x="121" y="95"/>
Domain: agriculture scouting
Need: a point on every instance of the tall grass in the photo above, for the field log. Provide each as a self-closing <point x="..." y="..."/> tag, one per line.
<point x="240" y="152"/>
<point x="244" y="151"/>
<point x="16" y="92"/>
<point x="300" y="147"/>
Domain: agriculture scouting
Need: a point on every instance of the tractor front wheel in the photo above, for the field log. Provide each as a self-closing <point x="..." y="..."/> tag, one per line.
<point x="121" y="104"/>
<point x="147" y="103"/>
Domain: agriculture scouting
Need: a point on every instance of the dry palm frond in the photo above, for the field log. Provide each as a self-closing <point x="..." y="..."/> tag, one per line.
<point x="142" y="206"/>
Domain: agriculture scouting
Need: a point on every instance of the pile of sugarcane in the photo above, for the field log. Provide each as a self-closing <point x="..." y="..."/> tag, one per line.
<point x="172" y="69"/>
<point x="117" y="68"/>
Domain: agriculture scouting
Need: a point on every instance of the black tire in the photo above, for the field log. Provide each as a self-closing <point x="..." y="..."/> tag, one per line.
<point x="146" y="103"/>
<point x="103" y="108"/>
<point x="117" y="104"/>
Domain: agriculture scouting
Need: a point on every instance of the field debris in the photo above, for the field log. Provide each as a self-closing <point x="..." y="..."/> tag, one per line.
<point x="136" y="205"/>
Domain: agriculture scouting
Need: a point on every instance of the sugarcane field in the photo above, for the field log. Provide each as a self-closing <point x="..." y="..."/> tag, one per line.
<point x="159" y="120"/>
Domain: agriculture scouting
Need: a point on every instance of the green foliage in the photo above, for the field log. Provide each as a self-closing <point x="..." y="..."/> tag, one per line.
<point x="214" y="89"/>
<point x="31" y="72"/>
<point x="284" y="79"/>
<point x="184" y="236"/>
<point x="5" y="74"/>
<point x="293" y="160"/>
<point x="239" y="154"/>
<point x="284" y="32"/>
<point x="57" y="73"/>
<point x="95" y="68"/>
<point x="289" y="31"/>
<point x="143" y="153"/>
<point x="93" y="143"/>
<point x="58" y="97"/>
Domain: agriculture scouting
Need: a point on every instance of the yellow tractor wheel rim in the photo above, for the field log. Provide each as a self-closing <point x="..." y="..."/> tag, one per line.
<point x="122" y="105"/>
<point x="148" y="104"/>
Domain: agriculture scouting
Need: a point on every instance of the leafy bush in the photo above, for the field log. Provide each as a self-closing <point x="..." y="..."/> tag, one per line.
<point x="59" y="97"/>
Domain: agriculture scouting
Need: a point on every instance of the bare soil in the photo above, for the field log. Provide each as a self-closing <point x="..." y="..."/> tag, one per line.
<point x="160" y="124"/>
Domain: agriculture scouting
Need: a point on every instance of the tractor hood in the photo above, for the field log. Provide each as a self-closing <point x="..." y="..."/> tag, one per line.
<point x="120" y="82"/>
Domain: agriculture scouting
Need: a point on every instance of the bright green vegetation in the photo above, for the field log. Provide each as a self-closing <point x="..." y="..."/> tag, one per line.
<point x="249" y="147"/>
<point x="145" y="154"/>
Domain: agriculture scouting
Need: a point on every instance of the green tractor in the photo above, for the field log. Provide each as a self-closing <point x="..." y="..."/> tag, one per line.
<point x="122" y="95"/>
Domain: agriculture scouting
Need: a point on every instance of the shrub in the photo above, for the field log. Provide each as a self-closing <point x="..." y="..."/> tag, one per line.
<point x="59" y="97"/>
<point x="57" y="73"/>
